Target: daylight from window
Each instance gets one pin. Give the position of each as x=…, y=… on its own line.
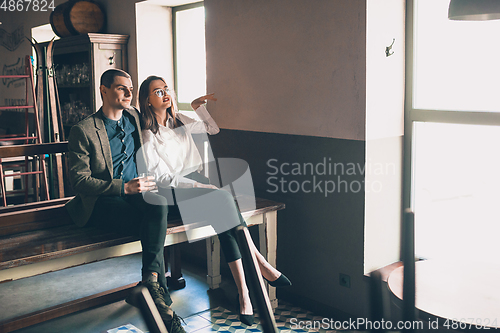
x=457, y=182
x=190, y=54
x=456, y=62
x=456, y=176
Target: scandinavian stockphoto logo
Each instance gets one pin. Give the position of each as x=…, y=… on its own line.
x=204, y=208
x=325, y=177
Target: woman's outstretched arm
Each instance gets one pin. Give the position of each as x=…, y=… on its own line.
x=207, y=124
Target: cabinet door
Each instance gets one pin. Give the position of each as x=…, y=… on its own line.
x=75, y=85
x=105, y=56
x=80, y=61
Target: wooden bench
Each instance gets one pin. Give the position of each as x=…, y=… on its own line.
x=40, y=237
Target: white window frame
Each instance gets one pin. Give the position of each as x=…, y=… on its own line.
x=182, y=106
x=413, y=115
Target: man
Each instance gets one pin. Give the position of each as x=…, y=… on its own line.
x=103, y=173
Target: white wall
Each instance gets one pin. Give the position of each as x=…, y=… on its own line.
x=153, y=33
x=288, y=66
x=121, y=19
x=385, y=76
x=384, y=131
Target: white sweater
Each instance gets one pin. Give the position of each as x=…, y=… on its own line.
x=171, y=153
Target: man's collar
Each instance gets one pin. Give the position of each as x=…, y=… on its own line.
x=111, y=122
x=132, y=113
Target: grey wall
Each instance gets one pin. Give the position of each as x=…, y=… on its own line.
x=288, y=66
x=290, y=81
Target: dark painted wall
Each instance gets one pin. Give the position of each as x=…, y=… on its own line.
x=319, y=235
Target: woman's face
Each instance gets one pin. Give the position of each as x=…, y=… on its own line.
x=159, y=95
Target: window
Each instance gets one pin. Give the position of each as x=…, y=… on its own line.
x=453, y=131
x=189, y=53
x=455, y=61
x=456, y=190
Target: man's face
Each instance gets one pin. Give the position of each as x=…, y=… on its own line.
x=119, y=95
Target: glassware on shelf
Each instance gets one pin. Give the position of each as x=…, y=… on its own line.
x=67, y=73
x=85, y=73
x=73, y=75
x=75, y=111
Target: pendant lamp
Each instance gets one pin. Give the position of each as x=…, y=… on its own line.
x=474, y=10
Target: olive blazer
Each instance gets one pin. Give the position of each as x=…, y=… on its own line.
x=91, y=165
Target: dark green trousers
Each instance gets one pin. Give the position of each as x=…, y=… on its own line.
x=145, y=219
x=214, y=207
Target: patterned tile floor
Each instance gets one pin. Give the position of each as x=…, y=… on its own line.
x=220, y=319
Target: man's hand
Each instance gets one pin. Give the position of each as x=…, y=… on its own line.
x=139, y=185
x=202, y=100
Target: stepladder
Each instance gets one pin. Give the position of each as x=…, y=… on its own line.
x=24, y=166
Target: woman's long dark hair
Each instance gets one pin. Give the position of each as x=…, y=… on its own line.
x=148, y=119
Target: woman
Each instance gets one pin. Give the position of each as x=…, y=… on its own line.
x=174, y=160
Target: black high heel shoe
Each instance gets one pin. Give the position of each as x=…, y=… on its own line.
x=245, y=319
x=282, y=281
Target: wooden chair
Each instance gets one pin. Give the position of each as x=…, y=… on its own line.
x=378, y=308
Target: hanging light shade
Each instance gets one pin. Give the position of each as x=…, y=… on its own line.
x=474, y=10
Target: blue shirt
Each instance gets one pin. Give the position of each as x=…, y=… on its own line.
x=123, y=139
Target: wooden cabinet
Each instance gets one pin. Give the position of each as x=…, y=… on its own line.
x=79, y=62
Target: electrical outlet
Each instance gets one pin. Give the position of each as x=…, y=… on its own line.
x=345, y=280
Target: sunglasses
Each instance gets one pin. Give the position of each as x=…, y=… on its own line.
x=161, y=92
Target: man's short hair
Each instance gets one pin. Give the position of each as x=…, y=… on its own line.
x=108, y=77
